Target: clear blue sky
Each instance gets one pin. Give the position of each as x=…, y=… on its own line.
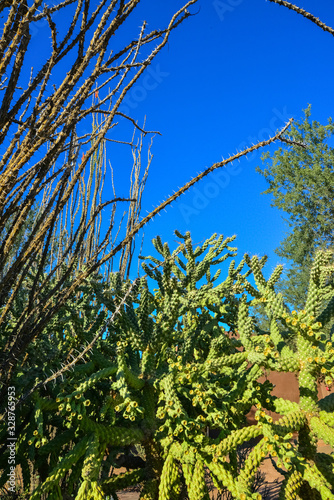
x=230, y=76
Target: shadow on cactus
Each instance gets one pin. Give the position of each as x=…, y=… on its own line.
x=180, y=359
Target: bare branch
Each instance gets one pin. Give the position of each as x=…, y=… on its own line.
x=196, y=179
x=136, y=125
x=42, y=152
x=293, y=143
x=306, y=14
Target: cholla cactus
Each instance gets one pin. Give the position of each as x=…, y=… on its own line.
x=179, y=359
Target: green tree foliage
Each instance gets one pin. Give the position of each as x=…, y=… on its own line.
x=177, y=359
x=301, y=182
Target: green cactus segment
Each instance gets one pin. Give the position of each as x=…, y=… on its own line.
x=197, y=487
x=90, y=490
x=223, y=361
x=245, y=325
x=327, y=418
x=312, y=302
x=251, y=465
x=148, y=362
x=308, y=391
x=121, y=384
x=234, y=439
x=325, y=464
x=277, y=307
x=275, y=334
x=61, y=469
x=149, y=402
x=116, y=436
x=284, y=406
x=327, y=403
x=304, y=346
x=188, y=469
x=327, y=314
x=144, y=320
x=94, y=455
x=93, y=379
x=288, y=363
x=176, y=481
x=322, y=430
x=274, y=278
x=173, y=409
x=169, y=482
x=130, y=378
x=223, y=477
x=289, y=423
x=256, y=265
x=122, y=481
x=291, y=485
x=316, y=480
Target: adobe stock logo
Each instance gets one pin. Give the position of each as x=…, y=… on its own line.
x=224, y=7
x=221, y=178
x=151, y=79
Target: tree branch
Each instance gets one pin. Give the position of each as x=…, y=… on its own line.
x=306, y=14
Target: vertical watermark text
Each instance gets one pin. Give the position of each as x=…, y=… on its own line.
x=11, y=440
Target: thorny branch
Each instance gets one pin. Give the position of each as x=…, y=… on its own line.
x=68, y=222
x=306, y=14
x=43, y=129
x=292, y=142
x=66, y=293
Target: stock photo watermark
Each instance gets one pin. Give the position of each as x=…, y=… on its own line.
x=11, y=440
x=150, y=81
x=223, y=8
x=221, y=178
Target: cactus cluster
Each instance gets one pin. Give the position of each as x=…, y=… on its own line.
x=180, y=359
